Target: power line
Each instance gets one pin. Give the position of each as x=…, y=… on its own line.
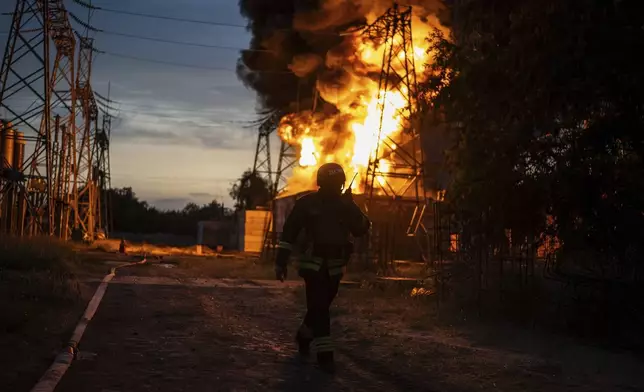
x=198, y=21
x=173, y=18
x=163, y=17
x=179, y=111
x=133, y=120
x=155, y=111
x=195, y=66
x=180, y=42
x=161, y=107
x=165, y=178
x=136, y=36
x=126, y=56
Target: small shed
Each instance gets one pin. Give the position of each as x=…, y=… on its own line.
x=252, y=226
x=216, y=233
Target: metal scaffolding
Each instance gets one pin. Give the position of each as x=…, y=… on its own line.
x=285, y=162
x=104, y=178
x=86, y=181
x=48, y=182
x=28, y=73
x=262, y=165
x=395, y=190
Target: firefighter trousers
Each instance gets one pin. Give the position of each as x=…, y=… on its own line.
x=321, y=290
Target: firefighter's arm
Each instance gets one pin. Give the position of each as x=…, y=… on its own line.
x=292, y=227
x=359, y=223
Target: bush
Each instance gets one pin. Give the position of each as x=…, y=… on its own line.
x=44, y=254
x=39, y=268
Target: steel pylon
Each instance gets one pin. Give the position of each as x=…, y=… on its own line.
x=85, y=184
x=103, y=175
x=39, y=97
x=394, y=176
x=262, y=164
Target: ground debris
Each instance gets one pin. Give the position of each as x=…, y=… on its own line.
x=164, y=334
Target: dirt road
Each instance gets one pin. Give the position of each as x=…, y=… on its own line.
x=167, y=337
x=164, y=334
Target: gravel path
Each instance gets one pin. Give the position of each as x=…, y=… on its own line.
x=155, y=337
x=170, y=334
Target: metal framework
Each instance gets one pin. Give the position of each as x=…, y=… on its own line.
x=397, y=188
x=86, y=179
x=286, y=160
x=288, y=155
x=262, y=165
x=103, y=175
x=28, y=74
x=53, y=172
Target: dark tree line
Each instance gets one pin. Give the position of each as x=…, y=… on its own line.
x=136, y=216
x=544, y=101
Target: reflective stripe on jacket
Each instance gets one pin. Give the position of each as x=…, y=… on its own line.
x=334, y=266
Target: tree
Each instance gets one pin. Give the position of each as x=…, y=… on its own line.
x=546, y=102
x=250, y=191
x=135, y=216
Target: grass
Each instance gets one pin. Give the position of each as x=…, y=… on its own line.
x=112, y=246
x=208, y=267
x=43, y=267
x=41, y=299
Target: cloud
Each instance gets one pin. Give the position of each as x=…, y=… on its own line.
x=197, y=195
x=199, y=131
x=182, y=125
x=170, y=203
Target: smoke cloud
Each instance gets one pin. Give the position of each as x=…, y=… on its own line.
x=319, y=76
x=296, y=48
x=304, y=64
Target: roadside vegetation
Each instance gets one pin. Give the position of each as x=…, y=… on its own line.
x=42, y=296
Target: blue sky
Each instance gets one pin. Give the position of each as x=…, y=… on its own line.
x=181, y=133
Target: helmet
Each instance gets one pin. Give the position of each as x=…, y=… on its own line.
x=331, y=175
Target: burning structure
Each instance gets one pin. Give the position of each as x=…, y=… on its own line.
x=355, y=66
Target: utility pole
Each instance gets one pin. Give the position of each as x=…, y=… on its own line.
x=288, y=155
x=86, y=181
x=28, y=74
x=102, y=169
x=262, y=165
x=394, y=177
x=286, y=160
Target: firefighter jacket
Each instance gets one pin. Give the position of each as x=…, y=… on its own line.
x=327, y=221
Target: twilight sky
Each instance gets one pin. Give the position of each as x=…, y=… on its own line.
x=180, y=135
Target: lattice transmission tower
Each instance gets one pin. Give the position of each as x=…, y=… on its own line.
x=262, y=164
x=103, y=171
x=395, y=191
x=39, y=97
x=286, y=160
x=86, y=183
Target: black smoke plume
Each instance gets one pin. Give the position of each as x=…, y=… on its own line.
x=291, y=42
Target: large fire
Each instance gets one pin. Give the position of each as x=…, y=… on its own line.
x=353, y=135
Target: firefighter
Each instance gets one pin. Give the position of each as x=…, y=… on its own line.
x=328, y=218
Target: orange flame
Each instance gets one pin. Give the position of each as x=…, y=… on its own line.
x=368, y=119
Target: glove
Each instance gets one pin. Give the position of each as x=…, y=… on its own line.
x=280, y=272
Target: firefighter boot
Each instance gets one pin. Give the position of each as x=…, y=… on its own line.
x=326, y=362
x=303, y=338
